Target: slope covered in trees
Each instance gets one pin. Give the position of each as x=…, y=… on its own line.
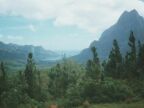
x=69, y=85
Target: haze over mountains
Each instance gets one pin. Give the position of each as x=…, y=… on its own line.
x=128, y=21
x=17, y=52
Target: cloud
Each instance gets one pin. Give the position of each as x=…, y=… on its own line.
x=14, y=38
x=90, y=15
x=29, y=27
x=32, y=28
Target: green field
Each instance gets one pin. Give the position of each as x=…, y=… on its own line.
x=120, y=105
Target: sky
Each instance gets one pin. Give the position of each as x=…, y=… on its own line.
x=60, y=24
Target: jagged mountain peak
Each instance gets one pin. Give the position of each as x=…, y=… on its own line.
x=128, y=21
x=132, y=12
x=128, y=16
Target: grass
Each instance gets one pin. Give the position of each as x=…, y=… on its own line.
x=120, y=105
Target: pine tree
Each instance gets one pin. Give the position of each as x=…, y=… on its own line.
x=3, y=80
x=114, y=64
x=93, y=66
x=132, y=45
x=131, y=59
x=95, y=55
x=140, y=60
x=30, y=77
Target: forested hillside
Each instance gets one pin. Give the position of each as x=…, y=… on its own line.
x=118, y=79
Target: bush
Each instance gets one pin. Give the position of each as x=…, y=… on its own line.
x=74, y=95
x=115, y=90
x=13, y=98
x=106, y=91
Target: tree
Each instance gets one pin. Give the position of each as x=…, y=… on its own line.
x=3, y=80
x=93, y=67
x=140, y=60
x=131, y=59
x=54, y=84
x=132, y=45
x=3, y=72
x=62, y=77
x=114, y=64
x=30, y=76
x=95, y=56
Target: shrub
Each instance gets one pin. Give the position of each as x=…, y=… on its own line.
x=106, y=91
x=13, y=98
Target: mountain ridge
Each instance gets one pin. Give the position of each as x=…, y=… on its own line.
x=19, y=52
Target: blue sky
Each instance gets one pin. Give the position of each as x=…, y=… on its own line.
x=60, y=24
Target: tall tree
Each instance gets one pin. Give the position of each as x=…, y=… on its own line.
x=131, y=58
x=132, y=45
x=3, y=80
x=30, y=75
x=93, y=66
x=140, y=60
x=114, y=64
x=95, y=56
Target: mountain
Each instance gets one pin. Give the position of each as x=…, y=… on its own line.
x=128, y=21
x=18, y=52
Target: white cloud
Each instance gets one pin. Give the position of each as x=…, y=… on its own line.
x=29, y=27
x=14, y=38
x=32, y=28
x=91, y=15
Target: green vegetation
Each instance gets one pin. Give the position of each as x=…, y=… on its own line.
x=118, y=80
x=120, y=105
